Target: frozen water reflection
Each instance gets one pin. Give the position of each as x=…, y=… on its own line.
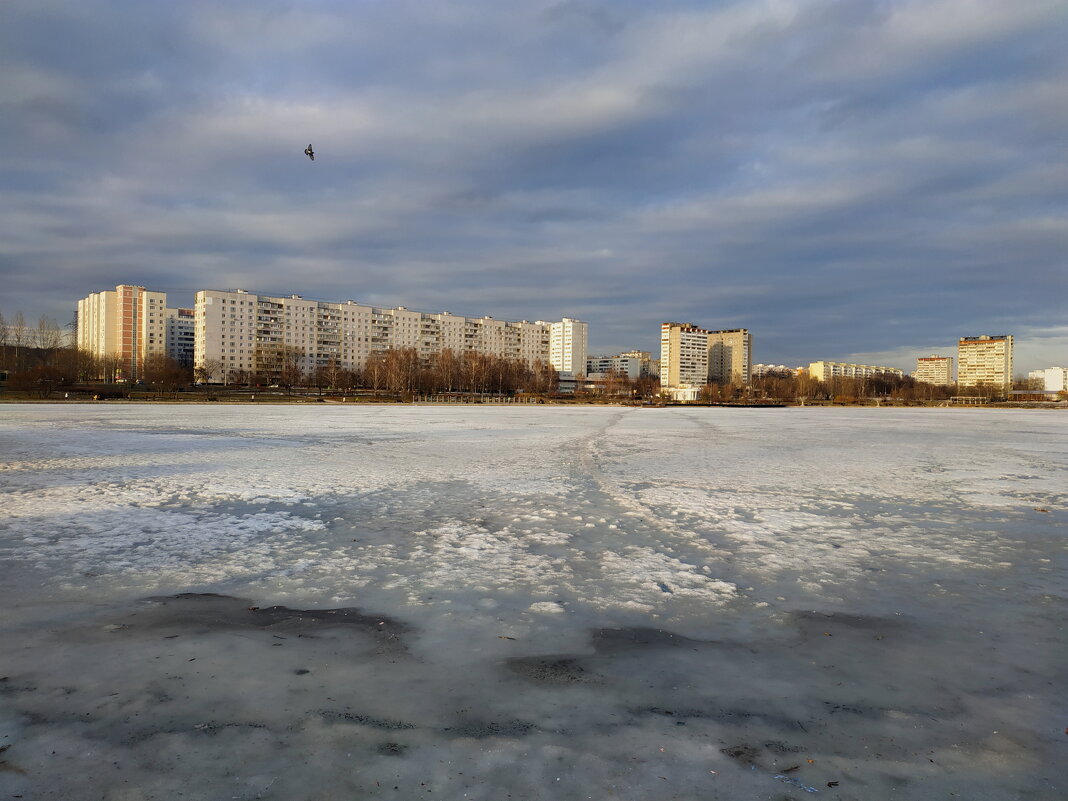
x=549, y=603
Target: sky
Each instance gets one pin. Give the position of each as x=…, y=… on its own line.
x=858, y=181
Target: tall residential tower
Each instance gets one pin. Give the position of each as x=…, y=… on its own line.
x=691, y=357
x=985, y=361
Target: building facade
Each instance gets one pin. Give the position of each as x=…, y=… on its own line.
x=934, y=370
x=692, y=357
x=650, y=367
x=238, y=331
x=181, y=335
x=568, y=346
x=623, y=364
x=825, y=371
x=730, y=356
x=985, y=361
x=130, y=324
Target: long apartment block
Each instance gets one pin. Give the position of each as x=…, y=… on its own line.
x=239, y=330
x=825, y=371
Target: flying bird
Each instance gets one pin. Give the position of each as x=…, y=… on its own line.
x=309, y=152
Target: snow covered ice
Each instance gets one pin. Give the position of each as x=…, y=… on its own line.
x=538, y=603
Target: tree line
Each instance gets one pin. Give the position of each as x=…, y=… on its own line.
x=400, y=371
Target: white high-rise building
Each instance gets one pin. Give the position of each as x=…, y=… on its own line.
x=568, y=345
x=240, y=331
x=985, y=361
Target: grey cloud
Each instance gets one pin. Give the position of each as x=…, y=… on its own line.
x=865, y=173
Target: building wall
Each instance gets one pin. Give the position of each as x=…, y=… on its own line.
x=985, y=360
x=730, y=354
x=180, y=336
x=98, y=330
x=240, y=329
x=568, y=347
x=934, y=370
x=683, y=355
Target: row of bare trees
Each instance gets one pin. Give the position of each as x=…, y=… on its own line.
x=23, y=345
x=400, y=371
x=788, y=386
x=44, y=371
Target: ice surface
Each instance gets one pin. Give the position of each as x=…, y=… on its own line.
x=550, y=603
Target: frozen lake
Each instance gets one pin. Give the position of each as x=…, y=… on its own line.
x=532, y=603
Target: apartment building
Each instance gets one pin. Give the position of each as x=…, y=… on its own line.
x=623, y=364
x=650, y=367
x=985, y=361
x=692, y=356
x=730, y=356
x=934, y=370
x=568, y=346
x=180, y=335
x=1050, y=379
x=242, y=331
x=825, y=371
x=131, y=323
x=762, y=370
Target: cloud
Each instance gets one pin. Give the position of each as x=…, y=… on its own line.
x=840, y=177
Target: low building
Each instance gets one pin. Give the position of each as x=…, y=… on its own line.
x=934, y=370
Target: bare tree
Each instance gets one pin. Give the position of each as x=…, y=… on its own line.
x=374, y=372
x=19, y=334
x=402, y=368
x=333, y=373
x=108, y=367
x=290, y=373
x=3, y=340
x=48, y=334
x=76, y=366
x=164, y=373
x=544, y=378
x=208, y=370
